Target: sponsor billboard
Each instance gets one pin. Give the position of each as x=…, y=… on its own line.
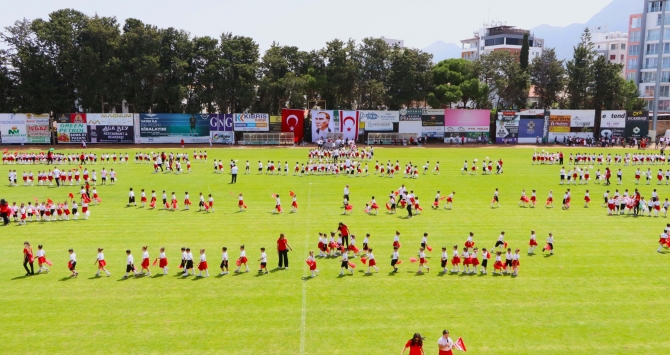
x=379, y=116
x=323, y=122
x=530, y=129
x=432, y=118
x=377, y=126
x=13, y=128
x=173, y=127
x=612, y=124
x=37, y=128
x=470, y=137
x=637, y=124
x=559, y=123
x=275, y=123
x=410, y=114
x=582, y=119
x=72, y=132
x=507, y=127
x=110, y=127
x=466, y=120
x=221, y=129
x=432, y=131
x=252, y=122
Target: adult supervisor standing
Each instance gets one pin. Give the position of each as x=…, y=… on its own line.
x=344, y=230
x=233, y=172
x=4, y=212
x=445, y=344
x=282, y=249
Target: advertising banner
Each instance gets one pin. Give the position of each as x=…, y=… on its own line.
x=252, y=122
x=613, y=124
x=432, y=131
x=379, y=116
x=410, y=127
x=507, y=127
x=77, y=118
x=378, y=126
x=323, y=122
x=432, y=118
x=470, y=137
x=559, y=123
x=349, y=124
x=530, y=129
x=221, y=129
x=173, y=127
x=637, y=124
x=62, y=118
x=466, y=120
x=72, y=132
x=110, y=127
x=37, y=128
x=109, y=119
x=410, y=114
x=13, y=128
x=275, y=124
x=583, y=118
x=293, y=121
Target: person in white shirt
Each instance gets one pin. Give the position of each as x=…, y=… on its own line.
x=344, y=265
x=264, y=262
x=532, y=243
x=311, y=261
x=145, y=261
x=495, y=198
x=550, y=243
x=242, y=260
x=395, y=259
x=515, y=262
x=203, y=264
x=224, y=261
x=445, y=344
x=72, y=264
x=233, y=172
x=189, y=263
x=100, y=260
x=130, y=264
x=422, y=260
x=277, y=205
x=162, y=260
x=131, y=198
x=372, y=263
x=41, y=259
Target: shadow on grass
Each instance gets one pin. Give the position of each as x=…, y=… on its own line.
x=20, y=277
x=198, y=278
x=66, y=278
x=548, y=255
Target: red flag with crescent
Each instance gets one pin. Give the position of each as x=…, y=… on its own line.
x=293, y=121
x=349, y=124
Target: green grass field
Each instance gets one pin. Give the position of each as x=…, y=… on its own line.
x=604, y=292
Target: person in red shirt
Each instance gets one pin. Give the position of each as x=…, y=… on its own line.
x=415, y=345
x=282, y=249
x=345, y=233
x=28, y=259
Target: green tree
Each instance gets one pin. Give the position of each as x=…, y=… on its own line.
x=579, y=72
x=456, y=80
x=523, y=56
x=547, y=75
x=630, y=95
x=6, y=85
x=341, y=73
x=99, y=82
x=410, y=78
x=203, y=73
x=175, y=56
x=236, y=84
x=507, y=82
x=374, y=67
x=139, y=54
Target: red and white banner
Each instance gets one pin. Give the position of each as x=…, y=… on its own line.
x=293, y=121
x=349, y=124
x=460, y=345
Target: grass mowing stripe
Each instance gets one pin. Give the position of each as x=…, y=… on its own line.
x=303, y=315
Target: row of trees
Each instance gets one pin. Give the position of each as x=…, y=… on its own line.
x=72, y=62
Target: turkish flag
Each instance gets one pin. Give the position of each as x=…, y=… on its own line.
x=293, y=121
x=460, y=345
x=349, y=124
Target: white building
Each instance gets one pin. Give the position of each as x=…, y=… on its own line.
x=611, y=45
x=394, y=42
x=500, y=37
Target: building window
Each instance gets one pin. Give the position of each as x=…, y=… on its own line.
x=634, y=36
x=613, y=57
x=664, y=91
x=665, y=77
x=650, y=63
x=623, y=46
x=632, y=64
x=652, y=48
x=667, y=19
x=654, y=6
x=653, y=35
x=649, y=91
x=494, y=42
x=613, y=47
x=634, y=49
x=649, y=77
x=631, y=76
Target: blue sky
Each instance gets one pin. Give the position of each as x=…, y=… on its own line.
x=308, y=24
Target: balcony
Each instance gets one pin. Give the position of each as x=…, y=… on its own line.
x=506, y=30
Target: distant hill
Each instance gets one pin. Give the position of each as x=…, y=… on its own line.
x=613, y=17
x=442, y=50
